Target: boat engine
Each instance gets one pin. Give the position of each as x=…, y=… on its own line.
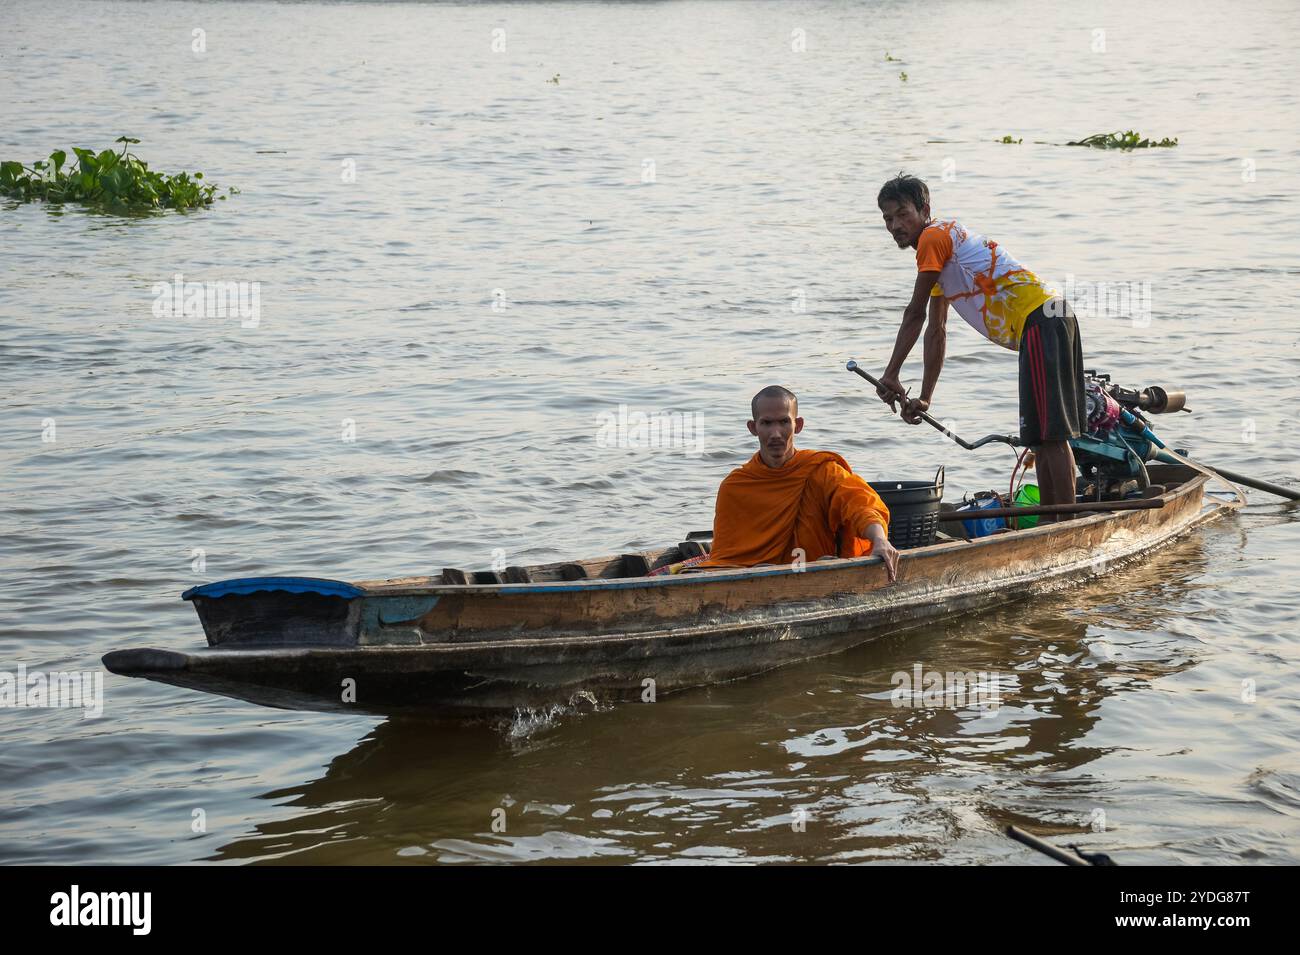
x=1113, y=453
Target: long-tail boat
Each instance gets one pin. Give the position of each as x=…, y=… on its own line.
x=610, y=628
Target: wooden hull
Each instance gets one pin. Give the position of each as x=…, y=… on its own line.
x=419, y=644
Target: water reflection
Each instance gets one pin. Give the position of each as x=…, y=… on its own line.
x=729, y=773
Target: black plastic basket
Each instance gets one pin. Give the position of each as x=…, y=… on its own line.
x=913, y=509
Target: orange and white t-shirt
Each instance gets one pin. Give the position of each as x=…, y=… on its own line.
x=989, y=288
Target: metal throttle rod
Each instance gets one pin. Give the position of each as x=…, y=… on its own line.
x=1012, y=440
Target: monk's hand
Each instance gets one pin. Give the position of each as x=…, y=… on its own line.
x=912, y=408
x=891, y=391
x=889, y=555
x=882, y=548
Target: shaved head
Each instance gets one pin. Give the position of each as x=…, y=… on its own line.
x=775, y=423
x=774, y=391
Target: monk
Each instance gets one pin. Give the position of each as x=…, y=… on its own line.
x=785, y=505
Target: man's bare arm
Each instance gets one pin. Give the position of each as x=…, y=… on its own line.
x=880, y=547
x=936, y=345
x=908, y=332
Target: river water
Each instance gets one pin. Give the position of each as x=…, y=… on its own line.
x=475, y=229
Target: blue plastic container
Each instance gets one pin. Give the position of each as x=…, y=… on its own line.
x=983, y=526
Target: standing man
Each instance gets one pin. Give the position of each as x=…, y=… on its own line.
x=1007, y=304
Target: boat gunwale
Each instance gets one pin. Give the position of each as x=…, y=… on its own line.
x=379, y=588
x=197, y=657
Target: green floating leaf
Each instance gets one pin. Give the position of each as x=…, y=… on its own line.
x=1128, y=139
x=115, y=182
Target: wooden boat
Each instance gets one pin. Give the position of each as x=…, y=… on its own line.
x=467, y=643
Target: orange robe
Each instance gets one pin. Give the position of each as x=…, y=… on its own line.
x=814, y=501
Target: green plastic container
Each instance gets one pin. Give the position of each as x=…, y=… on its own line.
x=1027, y=496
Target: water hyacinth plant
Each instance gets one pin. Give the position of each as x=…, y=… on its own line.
x=117, y=182
x=1125, y=140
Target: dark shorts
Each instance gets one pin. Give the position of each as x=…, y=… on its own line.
x=1051, y=376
